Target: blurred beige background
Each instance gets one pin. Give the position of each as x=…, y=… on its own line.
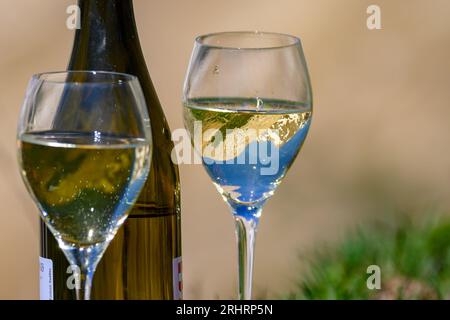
x=379, y=139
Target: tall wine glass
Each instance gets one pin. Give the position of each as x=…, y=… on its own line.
x=248, y=107
x=85, y=145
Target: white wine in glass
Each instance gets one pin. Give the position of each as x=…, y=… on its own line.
x=248, y=107
x=84, y=174
x=77, y=183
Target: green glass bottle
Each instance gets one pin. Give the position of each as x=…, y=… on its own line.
x=144, y=259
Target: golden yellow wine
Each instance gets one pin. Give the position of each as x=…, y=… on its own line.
x=246, y=145
x=84, y=189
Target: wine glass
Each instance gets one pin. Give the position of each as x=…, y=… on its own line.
x=247, y=106
x=85, y=146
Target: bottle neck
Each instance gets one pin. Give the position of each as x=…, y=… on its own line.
x=107, y=38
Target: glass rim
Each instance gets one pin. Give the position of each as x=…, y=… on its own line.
x=51, y=76
x=293, y=40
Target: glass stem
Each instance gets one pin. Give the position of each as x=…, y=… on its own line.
x=245, y=233
x=83, y=261
x=83, y=291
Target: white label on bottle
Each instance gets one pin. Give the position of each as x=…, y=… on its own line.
x=177, y=279
x=46, y=278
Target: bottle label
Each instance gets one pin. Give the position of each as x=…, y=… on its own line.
x=46, y=278
x=177, y=279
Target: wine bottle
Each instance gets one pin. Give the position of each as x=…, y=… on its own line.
x=143, y=261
